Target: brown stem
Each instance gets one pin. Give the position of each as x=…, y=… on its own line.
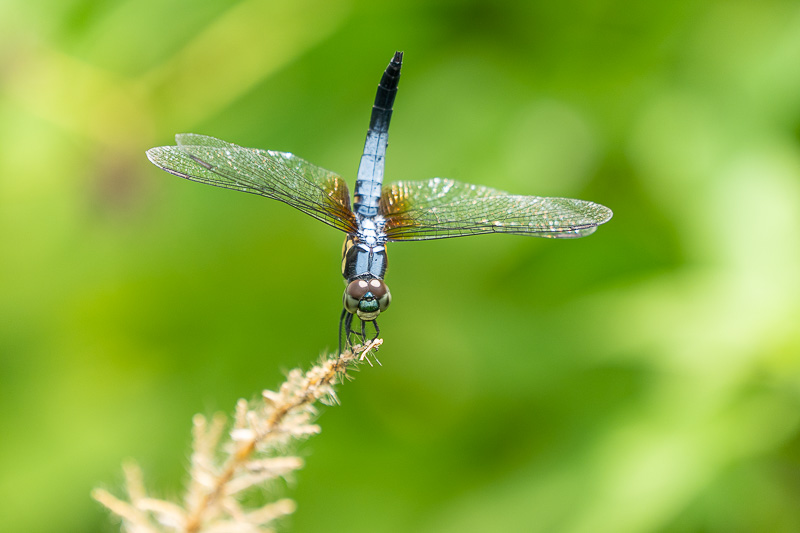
x=333, y=367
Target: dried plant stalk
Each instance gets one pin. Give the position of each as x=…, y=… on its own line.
x=223, y=469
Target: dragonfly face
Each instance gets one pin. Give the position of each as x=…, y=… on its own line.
x=367, y=298
x=437, y=208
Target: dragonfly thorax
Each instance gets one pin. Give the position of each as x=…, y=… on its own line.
x=360, y=261
x=364, y=253
x=363, y=267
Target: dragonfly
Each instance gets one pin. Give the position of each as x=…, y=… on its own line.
x=436, y=208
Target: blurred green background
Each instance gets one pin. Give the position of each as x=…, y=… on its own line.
x=644, y=379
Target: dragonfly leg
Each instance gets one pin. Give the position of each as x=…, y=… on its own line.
x=348, y=329
x=341, y=326
x=377, y=329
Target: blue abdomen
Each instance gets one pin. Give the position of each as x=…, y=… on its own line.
x=370, y=171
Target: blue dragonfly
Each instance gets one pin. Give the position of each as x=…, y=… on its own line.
x=436, y=208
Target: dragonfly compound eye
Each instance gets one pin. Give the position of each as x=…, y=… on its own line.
x=353, y=294
x=366, y=298
x=381, y=293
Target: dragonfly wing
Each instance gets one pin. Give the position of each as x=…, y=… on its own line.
x=440, y=208
x=277, y=175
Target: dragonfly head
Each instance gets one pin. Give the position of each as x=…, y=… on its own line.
x=367, y=298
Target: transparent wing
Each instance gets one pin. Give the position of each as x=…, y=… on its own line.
x=441, y=208
x=277, y=175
